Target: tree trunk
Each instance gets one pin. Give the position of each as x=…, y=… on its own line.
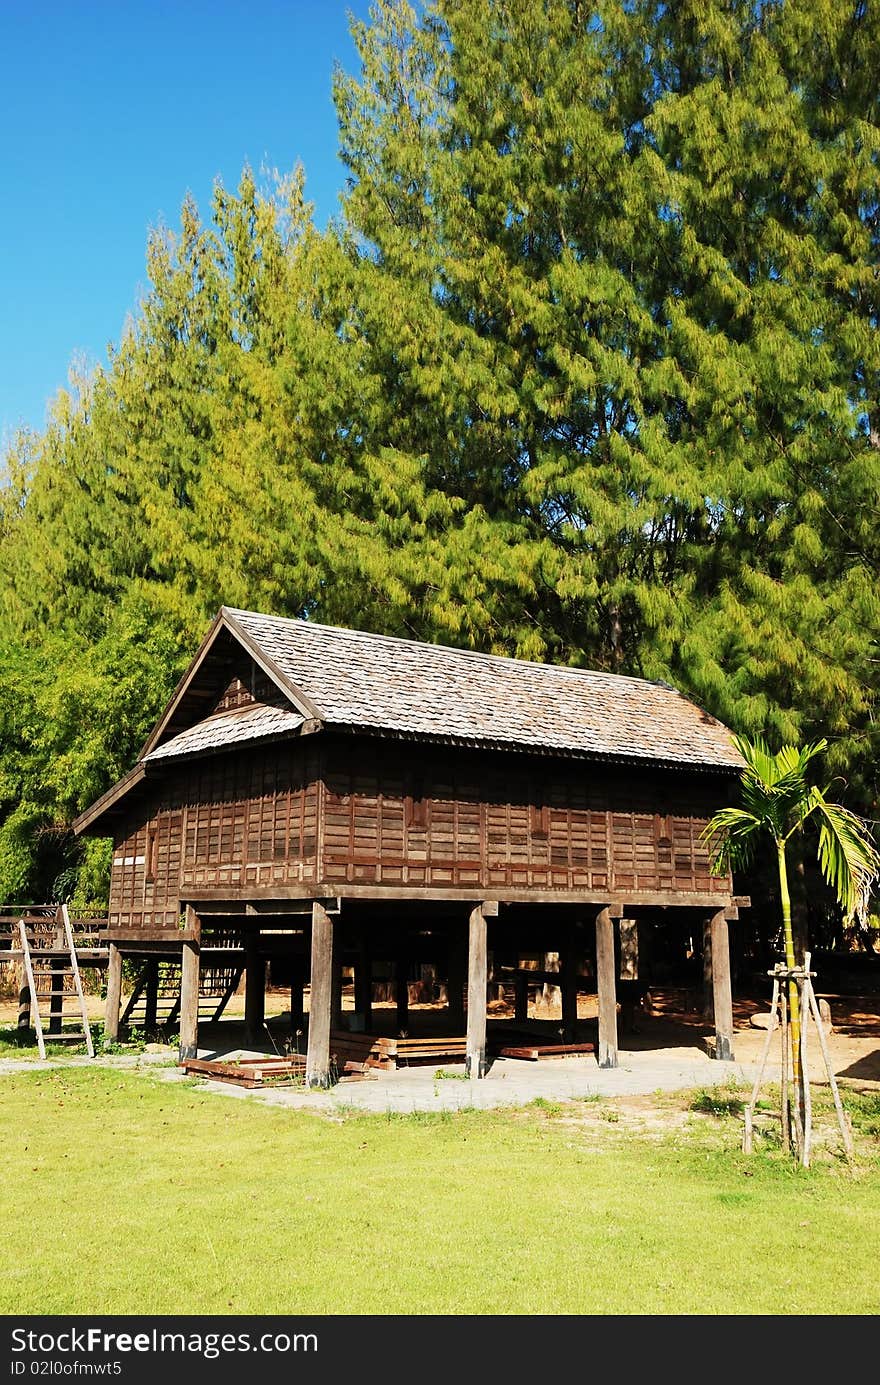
x=551, y=995
x=794, y=1006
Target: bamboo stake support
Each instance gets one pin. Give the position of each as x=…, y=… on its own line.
x=806, y=1133
x=765, y=1051
x=846, y=1133
x=799, y=1113
x=786, y=1113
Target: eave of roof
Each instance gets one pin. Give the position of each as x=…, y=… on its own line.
x=517, y=705
x=255, y=723
x=109, y=799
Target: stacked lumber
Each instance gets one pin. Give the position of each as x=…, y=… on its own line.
x=361, y=1054
x=431, y=1050
x=249, y=1072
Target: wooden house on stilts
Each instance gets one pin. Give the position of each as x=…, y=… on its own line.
x=329, y=797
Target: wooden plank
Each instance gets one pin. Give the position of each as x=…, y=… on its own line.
x=248, y=1074
x=607, y=991
x=534, y=1052
x=164, y=941
x=114, y=994
x=721, y=987
x=189, y=1002
x=255, y=989
x=475, y=1060
x=363, y=1050
x=619, y=901
x=321, y=999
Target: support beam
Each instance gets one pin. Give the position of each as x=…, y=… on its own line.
x=336, y=991
x=708, y=997
x=401, y=988
x=254, y=989
x=114, y=994
x=189, y=1001
x=569, y=978
x=455, y=986
x=521, y=994
x=320, y=998
x=607, y=989
x=475, y=1060
x=722, y=994
x=297, y=984
x=363, y=985
x=151, y=1000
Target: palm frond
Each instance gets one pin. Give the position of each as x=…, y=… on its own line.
x=774, y=786
x=731, y=837
x=848, y=855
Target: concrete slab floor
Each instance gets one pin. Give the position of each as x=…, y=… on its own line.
x=509, y=1082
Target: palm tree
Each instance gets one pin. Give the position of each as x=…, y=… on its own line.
x=778, y=802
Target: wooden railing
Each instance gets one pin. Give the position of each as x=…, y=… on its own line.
x=45, y=926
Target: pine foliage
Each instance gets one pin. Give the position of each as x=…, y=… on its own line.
x=587, y=370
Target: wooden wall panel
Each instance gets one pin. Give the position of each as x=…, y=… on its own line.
x=341, y=810
x=229, y=821
x=411, y=815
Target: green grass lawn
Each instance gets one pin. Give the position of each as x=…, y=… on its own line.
x=124, y=1193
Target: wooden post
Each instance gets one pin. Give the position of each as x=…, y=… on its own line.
x=708, y=996
x=114, y=994
x=722, y=996
x=569, y=992
x=336, y=990
x=521, y=995
x=56, y=996
x=475, y=1060
x=320, y=1001
x=455, y=987
x=607, y=990
x=646, y=947
x=401, y=988
x=151, y=1001
x=254, y=990
x=189, y=1002
x=297, y=982
x=363, y=985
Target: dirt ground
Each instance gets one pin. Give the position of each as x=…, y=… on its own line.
x=854, y=1040
x=675, y=1020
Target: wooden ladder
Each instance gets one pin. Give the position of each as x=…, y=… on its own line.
x=53, y=978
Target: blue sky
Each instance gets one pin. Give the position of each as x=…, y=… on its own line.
x=110, y=111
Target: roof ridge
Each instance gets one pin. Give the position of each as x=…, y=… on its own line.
x=467, y=653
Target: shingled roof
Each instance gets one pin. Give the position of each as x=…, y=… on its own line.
x=356, y=681
x=229, y=728
x=323, y=677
